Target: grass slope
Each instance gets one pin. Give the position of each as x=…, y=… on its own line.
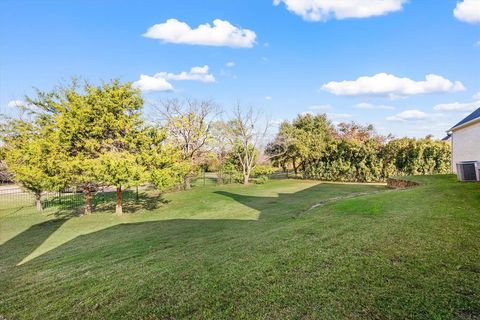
x=244, y=252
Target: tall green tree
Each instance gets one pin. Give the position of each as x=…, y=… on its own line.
x=92, y=122
x=32, y=153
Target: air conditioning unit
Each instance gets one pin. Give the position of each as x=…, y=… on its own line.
x=468, y=170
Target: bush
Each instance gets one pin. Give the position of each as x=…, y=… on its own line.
x=261, y=180
x=263, y=170
x=370, y=161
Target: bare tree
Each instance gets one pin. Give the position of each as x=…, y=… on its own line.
x=245, y=133
x=221, y=148
x=189, y=123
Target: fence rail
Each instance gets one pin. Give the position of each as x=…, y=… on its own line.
x=13, y=197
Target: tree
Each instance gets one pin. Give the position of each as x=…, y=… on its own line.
x=221, y=148
x=162, y=160
x=302, y=142
x=282, y=150
x=6, y=175
x=90, y=121
x=359, y=132
x=189, y=124
x=32, y=153
x=245, y=133
x=122, y=170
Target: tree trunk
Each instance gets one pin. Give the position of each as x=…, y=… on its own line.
x=38, y=201
x=246, y=178
x=294, y=167
x=186, y=182
x=118, y=207
x=88, y=200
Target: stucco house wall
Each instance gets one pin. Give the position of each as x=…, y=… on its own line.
x=465, y=143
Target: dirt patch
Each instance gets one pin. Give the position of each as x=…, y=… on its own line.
x=395, y=183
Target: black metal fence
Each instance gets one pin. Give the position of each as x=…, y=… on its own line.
x=14, y=197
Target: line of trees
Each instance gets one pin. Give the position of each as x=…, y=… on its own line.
x=87, y=136
x=316, y=149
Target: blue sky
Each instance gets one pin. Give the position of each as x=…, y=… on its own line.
x=361, y=60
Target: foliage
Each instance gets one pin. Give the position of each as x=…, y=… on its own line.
x=261, y=180
x=91, y=135
x=32, y=152
x=353, y=152
x=189, y=125
x=5, y=174
x=263, y=170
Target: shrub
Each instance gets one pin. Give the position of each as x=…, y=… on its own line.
x=261, y=180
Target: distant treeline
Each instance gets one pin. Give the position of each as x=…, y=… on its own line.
x=314, y=148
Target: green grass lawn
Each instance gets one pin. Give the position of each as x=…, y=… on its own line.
x=252, y=252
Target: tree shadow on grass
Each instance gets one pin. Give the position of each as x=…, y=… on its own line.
x=16, y=249
x=106, y=201
x=132, y=202
x=269, y=208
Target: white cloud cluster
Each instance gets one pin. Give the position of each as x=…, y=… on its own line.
x=230, y=64
x=322, y=10
x=221, y=33
x=384, y=84
x=149, y=83
x=160, y=81
x=457, y=106
x=409, y=115
x=195, y=74
x=477, y=95
x=468, y=11
x=369, y=106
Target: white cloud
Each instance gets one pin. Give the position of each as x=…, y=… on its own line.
x=457, y=106
x=221, y=33
x=408, y=115
x=383, y=84
x=322, y=10
x=468, y=11
x=160, y=81
x=230, y=64
x=369, y=106
x=195, y=74
x=148, y=83
x=477, y=95
x=321, y=107
x=268, y=98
